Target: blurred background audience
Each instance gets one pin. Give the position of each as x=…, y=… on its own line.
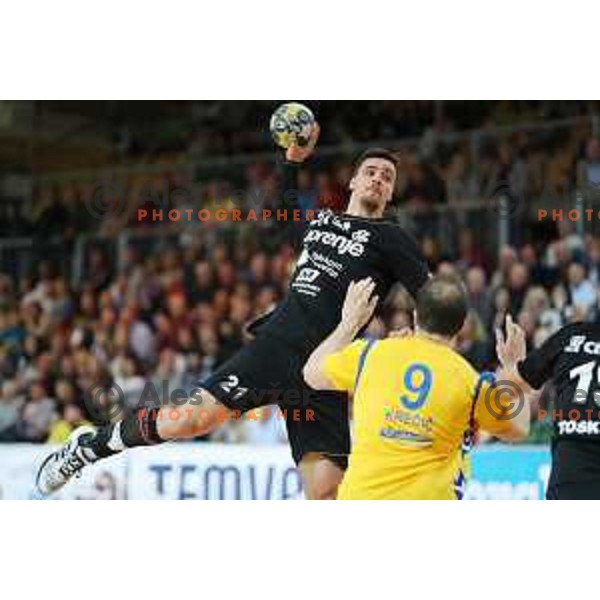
x=90, y=294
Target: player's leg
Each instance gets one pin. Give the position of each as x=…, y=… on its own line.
x=320, y=441
x=140, y=427
x=199, y=415
x=320, y=476
x=229, y=388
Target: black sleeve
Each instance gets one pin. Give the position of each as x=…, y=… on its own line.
x=252, y=327
x=288, y=195
x=538, y=365
x=289, y=184
x=405, y=259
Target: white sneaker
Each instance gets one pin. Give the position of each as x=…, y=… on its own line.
x=60, y=466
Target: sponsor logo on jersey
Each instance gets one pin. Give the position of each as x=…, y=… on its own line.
x=353, y=245
x=339, y=242
x=303, y=258
x=404, y=418
x=320, y=262
x=579, y=427
x=327, y=217
x=362, y=235
x=406, y=426
x=579, y=343
x=405, y=436
x=307, y=275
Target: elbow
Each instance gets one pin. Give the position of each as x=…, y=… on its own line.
x=314, y=377
x=518, y=432
x=522, y=421
x=310, y=376
x=521, y=432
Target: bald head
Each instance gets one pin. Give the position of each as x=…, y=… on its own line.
x=442, y=305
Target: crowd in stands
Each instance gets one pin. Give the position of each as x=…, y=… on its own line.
x=172, y=312
x=174, y=315
x=440, y=167
x=213, y=129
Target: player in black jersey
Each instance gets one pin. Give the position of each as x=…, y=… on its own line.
x=337, y=249
x=571, y=360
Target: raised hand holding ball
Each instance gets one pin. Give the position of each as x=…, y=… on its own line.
x=294, y=128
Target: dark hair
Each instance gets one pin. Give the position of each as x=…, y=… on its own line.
x=376, y=153
x=442, y=305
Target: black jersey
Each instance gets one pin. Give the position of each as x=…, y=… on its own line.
x=338, y=249
x=571, y=360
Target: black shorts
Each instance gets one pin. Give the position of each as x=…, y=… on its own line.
x=575, y=471
x=583, y=490
x=268, y=371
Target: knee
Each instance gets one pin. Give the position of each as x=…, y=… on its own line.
x=176, y=424
x=188, y=428
x=321, y=479
x=325, y=488
x=193, y=418
x=185, y=422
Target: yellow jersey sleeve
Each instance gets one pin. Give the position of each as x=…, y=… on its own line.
x=487, y=407
x=342, y=367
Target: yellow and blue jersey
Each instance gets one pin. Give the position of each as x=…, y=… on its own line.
x=415, y=410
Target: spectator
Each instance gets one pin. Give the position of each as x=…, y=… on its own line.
x=202, y=285
x=536, y=302
x=398, y=310
x=461, y=182
x=527, y=321
x=473, y=343
x=37, y=415
x=479, y=295
x=470, y=251
x=72, y=417
x=11, y=405
x=500, y=308
x=330, y=194
x=538, y=273
x=506, y=259
x=593, y=260
x=424, y=187
x=581, y=290
x=53, y=217
x=518, y=279
x=588, y=173
x=7, y=292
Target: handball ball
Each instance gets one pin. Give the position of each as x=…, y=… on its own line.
x=292, y=123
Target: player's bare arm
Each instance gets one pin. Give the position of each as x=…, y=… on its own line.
x=357, y=311
x=510, y=351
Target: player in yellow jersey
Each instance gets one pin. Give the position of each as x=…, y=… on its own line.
x=417, y=402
